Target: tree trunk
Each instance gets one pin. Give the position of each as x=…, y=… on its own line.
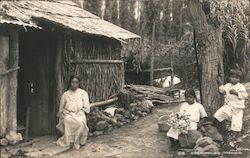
x=13, y=63
x=152, y=56
x=210, y=51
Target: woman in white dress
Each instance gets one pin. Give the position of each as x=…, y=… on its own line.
x=72, y=119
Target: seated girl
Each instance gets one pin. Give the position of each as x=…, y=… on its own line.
x=196, y=112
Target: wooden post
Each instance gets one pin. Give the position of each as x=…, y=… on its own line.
x=172, y=70
x=171, y=67
x=4, y=57
x=198, y=65
x=123, y=75
x=26, y=136
x=58, y=76
x=152, y=56
x=13, y=63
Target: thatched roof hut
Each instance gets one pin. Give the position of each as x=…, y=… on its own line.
x=43, y=43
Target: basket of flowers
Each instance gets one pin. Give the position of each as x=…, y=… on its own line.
x=179, y=122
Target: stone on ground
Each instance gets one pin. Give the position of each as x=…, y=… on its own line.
x=213, y=133
x=13, y=137
x=189, y=140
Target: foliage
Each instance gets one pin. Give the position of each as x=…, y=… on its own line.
x=231, y=16
x=94, y=6
x=171, y=17
x=132, y=62
x=111, y=13
x=127, y=15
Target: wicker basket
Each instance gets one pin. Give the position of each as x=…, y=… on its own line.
x=162, y=123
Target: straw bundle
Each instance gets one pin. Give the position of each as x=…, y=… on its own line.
x=100, y=80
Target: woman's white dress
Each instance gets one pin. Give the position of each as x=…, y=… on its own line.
x=72, y=118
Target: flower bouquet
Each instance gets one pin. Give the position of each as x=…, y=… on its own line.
x=179, y=122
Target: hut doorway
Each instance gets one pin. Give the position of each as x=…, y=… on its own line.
x=36, y=83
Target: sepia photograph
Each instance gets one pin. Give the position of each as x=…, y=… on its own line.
x=124, y=78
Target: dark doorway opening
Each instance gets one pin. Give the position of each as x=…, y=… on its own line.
x=36, y=84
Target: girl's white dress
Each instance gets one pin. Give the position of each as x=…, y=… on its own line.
x=232, y=109
x=72, y=118
x=196, y=111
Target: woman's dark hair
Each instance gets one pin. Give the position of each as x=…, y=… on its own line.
x=70, y=80
x=190, y=92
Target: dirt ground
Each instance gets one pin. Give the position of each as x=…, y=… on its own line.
x=139, y=139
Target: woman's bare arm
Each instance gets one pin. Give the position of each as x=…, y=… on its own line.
x=62, y=104
x=86, y=103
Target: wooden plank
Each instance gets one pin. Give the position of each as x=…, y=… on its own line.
x=170, y=101
x=93, y=61
x=43, y=142
x=148, y=70
x=53, y=150
x=35, y=154
x=25, y=144
x=4, y=58
x=106, y=102
x=29, y=149
x=153, y=94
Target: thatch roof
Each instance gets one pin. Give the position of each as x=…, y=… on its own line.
x=28, y=13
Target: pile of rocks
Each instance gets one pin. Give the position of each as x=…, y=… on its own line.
x=103, y=121
x=11, y=138
x=206, y=141
x=206, y=144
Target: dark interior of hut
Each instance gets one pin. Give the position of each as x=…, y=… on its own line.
x=35, y=108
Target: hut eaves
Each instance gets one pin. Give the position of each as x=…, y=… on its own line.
x=20, y=23
x=28, y=13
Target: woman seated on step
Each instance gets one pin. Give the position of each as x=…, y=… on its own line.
x=196, y=112
x=72, y=119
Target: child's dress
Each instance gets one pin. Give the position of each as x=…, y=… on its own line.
x=196, y=111
x=233, y=105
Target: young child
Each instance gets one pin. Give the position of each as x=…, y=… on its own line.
x=196, y=112
x=232, y=110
